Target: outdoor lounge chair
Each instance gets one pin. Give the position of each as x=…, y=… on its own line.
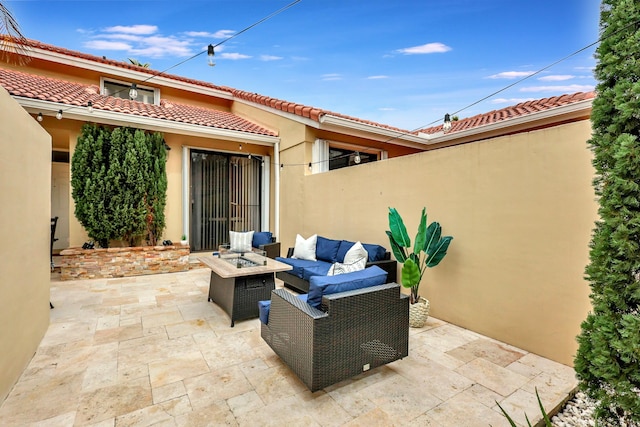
x=354, y=331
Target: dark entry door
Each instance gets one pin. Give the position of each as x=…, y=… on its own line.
x=225, y=195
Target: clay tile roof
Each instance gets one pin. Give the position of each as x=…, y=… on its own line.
x=316, y=114
x=71, y=93
x=513, y=111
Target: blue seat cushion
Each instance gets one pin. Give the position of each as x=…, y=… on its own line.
x=299, y=265
x=327, y=249
x=321, y=269
x=325, y=285
x=261, y=238
x=263, y=309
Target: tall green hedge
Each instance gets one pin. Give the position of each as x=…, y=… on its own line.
x=119, y=184
x=608, y=358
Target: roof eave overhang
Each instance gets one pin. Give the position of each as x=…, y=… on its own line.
x=139, y=76
x=342, y=125
x=517, y=124
x=329, y=122
x=158, y=125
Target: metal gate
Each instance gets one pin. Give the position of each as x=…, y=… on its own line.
x=225, y=195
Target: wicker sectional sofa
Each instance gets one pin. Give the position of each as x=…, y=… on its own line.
x=344, y=326
x=329, y=251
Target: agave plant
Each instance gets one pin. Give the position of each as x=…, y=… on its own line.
x=429, y=248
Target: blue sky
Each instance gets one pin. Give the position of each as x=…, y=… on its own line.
x=402, y=63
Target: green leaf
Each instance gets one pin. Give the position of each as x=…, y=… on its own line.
x=432, y=237
x=421, y=235
x=398, y=229
x=398, y=251
x=440, y=251
x=410, y=274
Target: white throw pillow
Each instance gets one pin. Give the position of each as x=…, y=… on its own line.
x=240, y=242
x=305, y=249
x=354, y=260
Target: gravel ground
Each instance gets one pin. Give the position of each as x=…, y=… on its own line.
x=578, y=412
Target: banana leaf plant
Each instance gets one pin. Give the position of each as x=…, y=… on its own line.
x=429, y=248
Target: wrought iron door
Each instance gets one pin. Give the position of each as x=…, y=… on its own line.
x=225, y=195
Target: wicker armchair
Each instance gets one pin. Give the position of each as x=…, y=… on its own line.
x=360, y=330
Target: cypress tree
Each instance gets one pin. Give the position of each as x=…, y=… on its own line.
x=608, y=359
x=119, y=184
x=156, y=193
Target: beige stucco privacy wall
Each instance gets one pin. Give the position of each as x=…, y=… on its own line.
x=521, y=209
x=25, y=200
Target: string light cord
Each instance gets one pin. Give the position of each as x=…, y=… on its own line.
x=600, y=39
x=255, y=24
x=266, y=18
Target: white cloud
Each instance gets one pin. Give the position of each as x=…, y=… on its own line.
x=510, y=100
x=331, y=77
x=220, y=34
x=511, y=74
x=566, y=89
x=425, y=49
x=557, y=78
x=107, y=45
x=133, y=29
x=234, y=56
x=127, y=37
x=270, y=58
x=377, y=77
x=386, y=109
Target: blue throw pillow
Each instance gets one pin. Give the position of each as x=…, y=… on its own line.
x=261, y=238
x=327, y=249
x=324, y=285
x=376, y=252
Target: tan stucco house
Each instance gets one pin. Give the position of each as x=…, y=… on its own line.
x=513, y=186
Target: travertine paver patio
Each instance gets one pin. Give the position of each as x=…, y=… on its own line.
x=152, y=351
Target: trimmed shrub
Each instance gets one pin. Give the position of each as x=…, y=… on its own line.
x=119, y=184
x=608, y=358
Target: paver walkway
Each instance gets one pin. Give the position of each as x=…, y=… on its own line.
x=152, y=351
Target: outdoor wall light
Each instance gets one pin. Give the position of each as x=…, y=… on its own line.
x=447, y=123
x=210, y=54
x=90, y=107
x=59, y=115
x=39, y=117
x=133, y=92
x=357, y=158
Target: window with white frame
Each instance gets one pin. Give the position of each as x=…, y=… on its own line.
x=330, y=155
x=121, y=89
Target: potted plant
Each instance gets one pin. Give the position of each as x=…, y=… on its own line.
x=183, y=240
x=429, y=249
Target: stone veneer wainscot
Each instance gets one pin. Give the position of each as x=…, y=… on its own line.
x=80, y=263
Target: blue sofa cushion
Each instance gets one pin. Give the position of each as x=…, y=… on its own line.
x=321, y=269
x=327, y=249
x=261, y=238
x=345, y=245
x=325, y=285
x=376, y=252
x=263, y=309
x=299, y=265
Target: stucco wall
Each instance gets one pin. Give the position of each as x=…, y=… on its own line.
x=521, y=209
x=25, y=215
